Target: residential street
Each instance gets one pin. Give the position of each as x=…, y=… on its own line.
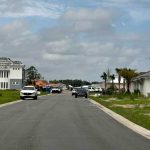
x=62, y=122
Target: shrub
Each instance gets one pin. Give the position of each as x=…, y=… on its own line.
x=137, y=92
x=120, y=96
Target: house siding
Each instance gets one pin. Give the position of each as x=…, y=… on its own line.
x=146, y=87
x=15, y=84
x=142, y=83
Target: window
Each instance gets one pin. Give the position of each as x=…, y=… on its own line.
x=1, y=74
x=6, y=85
x=15, y=83
x=3, y=85
x=15, y=68
x=4, y=74
x=7, y=74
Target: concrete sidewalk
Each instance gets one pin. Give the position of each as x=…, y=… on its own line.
x=136, y=128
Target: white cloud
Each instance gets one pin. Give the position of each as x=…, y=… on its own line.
x=27, y=8
x=84, y=42
x=140, y=14
x=90, y=19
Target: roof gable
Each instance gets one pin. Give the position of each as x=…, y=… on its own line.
x=142, y=76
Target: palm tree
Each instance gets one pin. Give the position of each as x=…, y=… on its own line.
x=119, y=76
x=104, y=77
x=112, y=77
x=108, y=72
x=128, y=74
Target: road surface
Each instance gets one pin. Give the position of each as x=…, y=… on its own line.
x=61, y=122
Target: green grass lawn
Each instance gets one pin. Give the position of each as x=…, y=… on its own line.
x=8, y=96
x=138, y=115
x=11, y=95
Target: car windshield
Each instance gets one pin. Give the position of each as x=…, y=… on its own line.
x=81, y=90
x=28, y=88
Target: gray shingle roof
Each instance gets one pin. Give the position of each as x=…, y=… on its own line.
x=4, y=61
x=142, y=76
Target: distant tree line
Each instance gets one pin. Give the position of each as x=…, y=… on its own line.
x=74, y=83
x=32, y=74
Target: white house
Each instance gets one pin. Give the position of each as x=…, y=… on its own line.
x=116, y=83
x=141, y=83
x=11, y=74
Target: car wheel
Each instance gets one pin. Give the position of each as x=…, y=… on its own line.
x=22, y=98
x=86, y=96
x=35, y=97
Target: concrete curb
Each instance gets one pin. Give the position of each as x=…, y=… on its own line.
x=10, y=103
x=136, y=128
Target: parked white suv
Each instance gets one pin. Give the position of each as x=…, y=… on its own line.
x=56, y=90
x=91, y=89
x=28, y=92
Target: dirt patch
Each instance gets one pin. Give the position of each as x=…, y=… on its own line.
x=124, y=106
x=131, y=106
x=146, y=114
x=111, y=99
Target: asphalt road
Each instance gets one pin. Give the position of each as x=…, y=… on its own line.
x=61, y=122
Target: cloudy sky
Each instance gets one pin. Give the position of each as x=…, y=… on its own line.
x=76, y=39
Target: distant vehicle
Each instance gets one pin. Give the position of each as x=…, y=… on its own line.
x=28, y=92
x=91, y=89
x=56, y=90
x=98, y=89
x=74, y=90
x=38, y=92
x=81, y=92
x=85, y=87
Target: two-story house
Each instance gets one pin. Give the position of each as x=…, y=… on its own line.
x=11, y=74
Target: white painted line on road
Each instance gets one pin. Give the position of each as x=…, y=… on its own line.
x=136, y=128
x=10, y=103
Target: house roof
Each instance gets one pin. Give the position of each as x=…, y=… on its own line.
x=142, y=76
x=41, y=83
x=4, y=61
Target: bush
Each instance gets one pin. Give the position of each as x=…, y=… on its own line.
x=120, y=96
x=109, y=91
x=137, y=92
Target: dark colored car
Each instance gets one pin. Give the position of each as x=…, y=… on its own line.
x=81, y=92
